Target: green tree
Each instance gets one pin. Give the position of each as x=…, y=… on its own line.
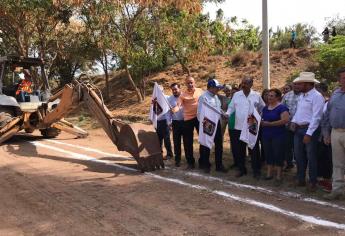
x=306, y=36
x=330, y=57
x=339, y=24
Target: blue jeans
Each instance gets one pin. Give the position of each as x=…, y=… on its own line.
x=305, y=155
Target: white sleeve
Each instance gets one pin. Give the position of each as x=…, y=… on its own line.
x=200, y=101
x=318, y=103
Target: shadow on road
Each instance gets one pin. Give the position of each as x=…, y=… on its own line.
x=21, y=145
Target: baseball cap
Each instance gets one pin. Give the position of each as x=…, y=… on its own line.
x=213, y=83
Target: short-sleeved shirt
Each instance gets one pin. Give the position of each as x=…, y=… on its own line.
x=189, y=102
x=270, y=116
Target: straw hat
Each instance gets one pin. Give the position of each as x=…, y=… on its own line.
x=306, y=77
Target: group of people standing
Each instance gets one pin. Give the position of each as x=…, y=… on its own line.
x=294, y=126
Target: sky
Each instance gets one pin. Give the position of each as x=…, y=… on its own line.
x=281, y=12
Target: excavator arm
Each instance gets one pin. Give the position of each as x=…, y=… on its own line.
x=137, y=139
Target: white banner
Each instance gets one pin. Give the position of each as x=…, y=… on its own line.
x=159, y=105
x=208, y=125
x=250, y=129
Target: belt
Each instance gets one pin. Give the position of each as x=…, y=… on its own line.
x=340, y=130
x=302, y=126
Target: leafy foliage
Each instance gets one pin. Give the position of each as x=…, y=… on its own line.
x=338, y=23
x=306, y=36
x=331, y=56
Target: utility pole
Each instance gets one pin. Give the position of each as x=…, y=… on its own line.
x=265, y=47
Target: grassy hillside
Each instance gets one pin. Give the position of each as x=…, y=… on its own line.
x=229, y=70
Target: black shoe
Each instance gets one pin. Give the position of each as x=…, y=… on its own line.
x=268, y=178
x=177, y=164
x=207, y=170
x=222, y=169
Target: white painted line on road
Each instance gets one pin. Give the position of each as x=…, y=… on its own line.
x=265, y=190
x=294, y=215
x=231, y=183
x=79, y=156
x=90, y=149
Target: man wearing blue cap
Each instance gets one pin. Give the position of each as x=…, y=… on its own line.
x=211, y=99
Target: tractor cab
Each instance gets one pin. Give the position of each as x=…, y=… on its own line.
x=23, y=79
x=23, y=74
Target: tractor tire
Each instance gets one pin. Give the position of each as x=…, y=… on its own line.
x=50, y=132
x=6, y=115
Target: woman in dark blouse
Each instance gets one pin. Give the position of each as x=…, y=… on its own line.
x=274, y=117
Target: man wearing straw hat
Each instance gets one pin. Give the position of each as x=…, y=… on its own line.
x=305, y=123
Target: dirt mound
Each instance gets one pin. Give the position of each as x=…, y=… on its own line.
x=229, y=70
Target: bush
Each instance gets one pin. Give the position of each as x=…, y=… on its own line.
x=241, y=58
x=330, y=57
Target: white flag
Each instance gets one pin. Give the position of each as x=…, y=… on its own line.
x=208, y=125
x=159, y=106
x=250, y=129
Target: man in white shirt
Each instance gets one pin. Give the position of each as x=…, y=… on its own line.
x=241, y=103
x=305, y=123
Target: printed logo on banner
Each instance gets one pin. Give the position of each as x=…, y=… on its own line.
x=252, y=125
x=208, y=126
x=157, y=109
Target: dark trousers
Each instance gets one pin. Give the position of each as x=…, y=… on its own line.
x=274, y=150
x=289, y=152
x=204, y=160
x=177, y=127
x=292, y=43
x=306, y=155
x=23, y=97
x=262, y=149
x=163, y=133
x=240, y=154
x=233, y=146
x=324, y=160
x=188, y=136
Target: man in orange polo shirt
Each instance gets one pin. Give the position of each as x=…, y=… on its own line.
x=189, y=101
x=24, y=87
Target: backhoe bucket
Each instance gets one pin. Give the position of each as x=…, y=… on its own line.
x=140, y=140
x=142, y=143
x=10, y=129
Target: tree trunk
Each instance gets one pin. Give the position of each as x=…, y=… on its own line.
x=181, y=61
x=131, y=81
x=107, y=89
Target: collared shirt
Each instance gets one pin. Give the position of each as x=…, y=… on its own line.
x=211, y=99
x=242, y=105
x=334, y=116
x=189, y=102
x=224, y=101
x=173, y=103
x=309, y=110
x=290, y=100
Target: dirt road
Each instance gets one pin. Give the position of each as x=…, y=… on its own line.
x=72, y=186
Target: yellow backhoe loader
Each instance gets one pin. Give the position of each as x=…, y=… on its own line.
x=38, y=109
